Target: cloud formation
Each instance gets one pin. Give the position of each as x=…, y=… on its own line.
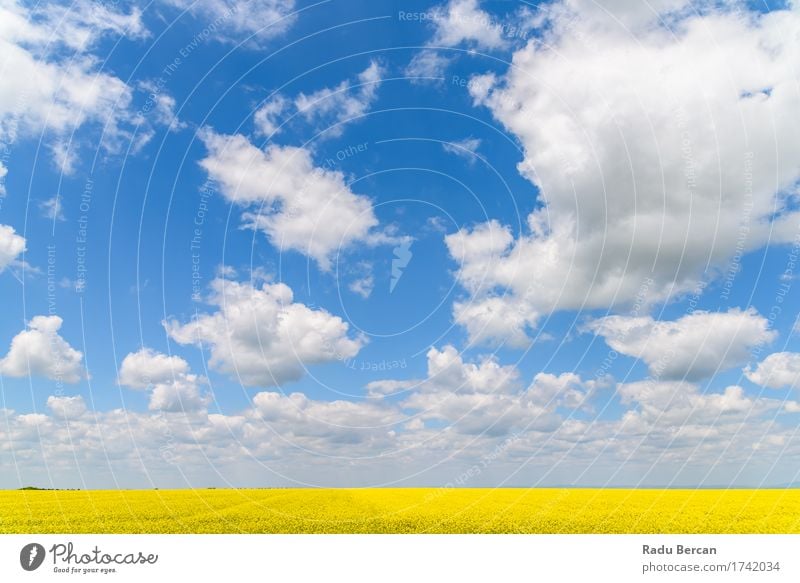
x=62, y=88
x=67, y=408
x=11, y=246
x=260, y=336
x=642, y=178
x=692, y=347
x=427, y=66
x=232, y=21
x=172, y=386
x=463, y=22
x=40, y=351
x=345, y=102
x=299, y=206
x=777, y=371
x=462, y=415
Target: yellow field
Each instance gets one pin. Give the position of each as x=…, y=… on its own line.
x=412, y=510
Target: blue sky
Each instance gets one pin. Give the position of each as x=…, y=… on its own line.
x=599, y=209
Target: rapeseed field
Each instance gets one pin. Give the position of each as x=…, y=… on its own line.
x=407, y=510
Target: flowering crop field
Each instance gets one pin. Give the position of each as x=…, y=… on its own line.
x=407, y=510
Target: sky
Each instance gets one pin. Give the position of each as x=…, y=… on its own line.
x=389, y=243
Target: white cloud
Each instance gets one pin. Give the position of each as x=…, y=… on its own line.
x=3, y=174
x=62, y=88
x=266, y=117
x=463, y=415
x=87, y=21
x=342, y=103
x=486, y=397
x=165, y=112
x=75, y=25
x=466, y=148
x=679, y=404
x=69, y=408
x=65, y=155
x=324, y=422
x=777, y=371
x=624, y=15
x=52, y=209
x=566, y=389
x=144, y=368
x=362, y=286
x=181, y=394
x=383, y=388
x=299, y=206
x=496, y=321
x=174, y=388
x=462, y=21
x=40, y=351
x=11, y=246
x=230, y=20
x=230, y=272
x=55, y=98
x=644, y=144
x=261, y=337
x=158, y=109
x=427, y=66
x=329, y=109
x=694, y=346
x=447, y=369
x=792, y=407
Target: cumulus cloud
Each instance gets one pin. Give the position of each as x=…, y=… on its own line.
x=625, y=15
x=62, y=88
x=487, y=397
x=462, y=415
x=300, y=206
x=173, y=387
x=146, y=367
x=297, y=416
x=678, y=405
x=181, y=394
x=777, y=371
x=387, y=387
x=496, y=321
x=40, y=351
x=11, y=246
x=564, y=390
x=262, y=337
x=69, y=408
x=697, y=345
x=643, y=178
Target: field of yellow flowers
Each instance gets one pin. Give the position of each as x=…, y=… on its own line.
x=407, y=510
